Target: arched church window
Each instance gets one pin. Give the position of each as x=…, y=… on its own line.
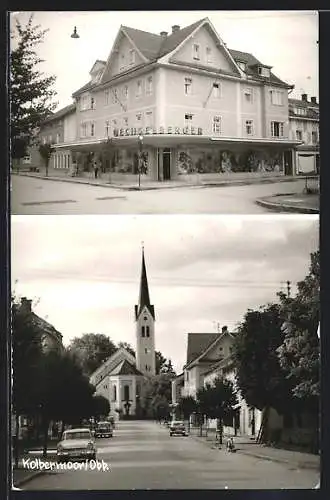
x=126, y=392
x=142, y=331
x=115, y=393
x=145, y=318
x=148, y=331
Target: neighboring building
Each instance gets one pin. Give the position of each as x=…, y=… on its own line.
x=304, y=127
x=51, y=339
x=192, y=105
x=209, y=357
x=121, y=378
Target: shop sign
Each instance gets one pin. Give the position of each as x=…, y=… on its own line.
x=122, y=132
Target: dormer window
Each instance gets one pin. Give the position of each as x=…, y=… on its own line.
x=262, y=71
x=300, y=111
x=196, y=52
x=241, y=65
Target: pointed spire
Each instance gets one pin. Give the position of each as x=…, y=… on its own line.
x=144, y=299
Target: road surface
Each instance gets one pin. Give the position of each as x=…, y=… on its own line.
x=142, y=455
x=32, y=195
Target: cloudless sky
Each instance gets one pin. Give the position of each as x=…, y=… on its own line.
x=202, y=270
x=285, y=40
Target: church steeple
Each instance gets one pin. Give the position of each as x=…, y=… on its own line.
x=144, y=298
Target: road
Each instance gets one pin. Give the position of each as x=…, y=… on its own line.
x=142, y=455
x=32, y=195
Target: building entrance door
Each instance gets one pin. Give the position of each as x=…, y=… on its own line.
x=288, y=163
x=166, y=164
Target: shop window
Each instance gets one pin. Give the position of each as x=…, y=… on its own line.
x=277, y=129
x=188, y=86
x=249, y=127
x=196, y=51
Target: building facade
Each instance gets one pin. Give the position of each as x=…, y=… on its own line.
x=304, y=127
x=175, y=104
x=122, y=377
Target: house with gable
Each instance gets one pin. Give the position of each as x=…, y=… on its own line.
x=185, y=103
x=122, y=378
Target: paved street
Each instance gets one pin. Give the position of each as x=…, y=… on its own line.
x=39, y=196
x=142, y=455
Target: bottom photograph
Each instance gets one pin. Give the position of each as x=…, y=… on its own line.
x=165, y=352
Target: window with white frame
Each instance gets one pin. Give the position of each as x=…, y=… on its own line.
x=149, y=85
x=114, y=95
x=216, y=90
x=216, y=125
x=276, y=97
x=262, y=71
x=125, y=92
x=92, y=129
x=107, y=128
x=131, y=56
x=188, y=85
x=248, y=95
x=299, y=135
x=208, y=52
x=92, y=103
x=196, y=52
x=139, y=88
x=277, y=129
x=249, y=127
x=106, y=97
x=300, y=111
x=84, y=129
x=149, y=119
x=188, y=118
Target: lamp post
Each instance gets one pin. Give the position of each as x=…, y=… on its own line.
x=140, y=139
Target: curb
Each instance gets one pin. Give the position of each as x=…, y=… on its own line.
x=27, y=478
x=282, y=207
x=150, y=188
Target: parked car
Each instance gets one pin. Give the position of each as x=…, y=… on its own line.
x=104, y=429
x=177, y=427
x=76, y=444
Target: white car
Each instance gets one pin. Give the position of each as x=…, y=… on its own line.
x=76, y=444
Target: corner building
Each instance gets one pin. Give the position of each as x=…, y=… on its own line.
x=186, y=104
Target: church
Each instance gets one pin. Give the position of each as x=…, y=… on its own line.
x=121, y=378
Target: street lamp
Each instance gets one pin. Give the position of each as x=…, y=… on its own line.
x=140, y=139
x=75, y=34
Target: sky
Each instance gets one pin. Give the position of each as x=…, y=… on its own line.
x=204, y=272
x=285, y=40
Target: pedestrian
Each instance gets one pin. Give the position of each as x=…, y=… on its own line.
x=96, y=168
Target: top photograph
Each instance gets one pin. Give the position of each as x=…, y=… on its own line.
x=164, y=112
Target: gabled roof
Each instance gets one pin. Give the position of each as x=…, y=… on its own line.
x=148, y=43
x=60, y=113
x=174, y=39
x=124, y=367
x=198, y=343
x=105, y=368
x=47, y=328
x=252, y=64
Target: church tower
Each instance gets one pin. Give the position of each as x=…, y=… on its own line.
x=145, y=327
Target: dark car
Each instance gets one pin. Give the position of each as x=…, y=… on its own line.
x=178, y=428
x=103, y=429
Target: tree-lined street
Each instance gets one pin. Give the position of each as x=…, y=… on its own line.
x=45, y=197
x=142, y=455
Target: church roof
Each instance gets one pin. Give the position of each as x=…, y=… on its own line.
x=144, y=298
x=124, y=367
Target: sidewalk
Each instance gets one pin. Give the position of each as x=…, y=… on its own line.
x=292, y=202
x=195, y=181
x=22, y=475
x=245, y=446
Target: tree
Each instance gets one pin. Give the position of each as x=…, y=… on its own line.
x=160, y=361
x=299, y=354
x=187, y=406
x=31, y=92
x=259, y=376
x=158, y=394
x=168, y=368
x=101, y=406
x=91, y=350
x=218, y=401
x=46, y=151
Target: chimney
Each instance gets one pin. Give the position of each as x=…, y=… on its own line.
x=313, y=100
x=26, y=305
x=224, y=329
x=163, y=34
x=304, y=97
x=175, y=28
